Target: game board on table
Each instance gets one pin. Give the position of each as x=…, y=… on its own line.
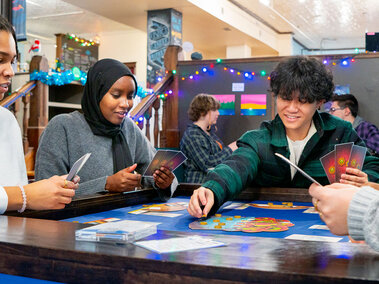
x=243, y=224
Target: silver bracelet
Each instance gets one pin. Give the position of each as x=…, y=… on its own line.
x=23, y=199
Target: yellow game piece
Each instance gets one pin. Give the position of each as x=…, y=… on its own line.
x=145, y=205
x=202, y=216
x=290, y=204
x=75, y=221
x=218, y=227
x=221, y=224
x=216, y=220
x=218, y=215
x=229, y=218
x=237, y=217
x=203, y=223
x=270, y=203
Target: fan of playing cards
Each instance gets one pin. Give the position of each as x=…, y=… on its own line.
x=343, y=156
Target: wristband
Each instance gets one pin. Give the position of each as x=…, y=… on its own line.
x=23, y=199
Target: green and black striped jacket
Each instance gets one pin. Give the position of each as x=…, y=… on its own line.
x=254, y=162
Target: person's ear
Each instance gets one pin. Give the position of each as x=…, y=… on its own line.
x=346, y=111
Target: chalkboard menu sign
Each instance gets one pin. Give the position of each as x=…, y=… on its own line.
x=74, y=52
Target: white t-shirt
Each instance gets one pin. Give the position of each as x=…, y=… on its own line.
x=297, y=147
x=12, y=161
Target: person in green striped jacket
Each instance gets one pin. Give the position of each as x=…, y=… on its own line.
x=299, y=132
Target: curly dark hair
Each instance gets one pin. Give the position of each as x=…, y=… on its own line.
x=304, y=74
x=347, y=100
x=7, y=27
x=200, y=105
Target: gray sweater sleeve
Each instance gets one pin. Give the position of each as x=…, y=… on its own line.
x=363, y=216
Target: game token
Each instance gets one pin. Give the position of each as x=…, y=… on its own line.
x=229, y=218
x=218, y=227
x=270, y=203
x=221, y=224
x=203, y=223
x=237, y=217
x=145, y=205
x=217, y=215
x=216, y=220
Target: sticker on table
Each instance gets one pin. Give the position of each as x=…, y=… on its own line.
x=313, y=238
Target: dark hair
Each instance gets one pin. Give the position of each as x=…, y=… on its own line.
x=7, y=27
x=200, y=105
x=345, y=101
x=304, y=74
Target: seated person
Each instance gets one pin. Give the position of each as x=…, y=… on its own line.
x=299, y=132
x=118, y=146
x=199, y=143
x=346, y=107
x=15, y=193
x=347, y=209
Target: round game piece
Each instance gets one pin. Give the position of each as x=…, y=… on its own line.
x=221, y=224
x=218, y=227
x=203, y=223
x=270, y=203
x=217, y=215
x=75, y=221
x=229, y=218
x=237, y=217
x=216, y=220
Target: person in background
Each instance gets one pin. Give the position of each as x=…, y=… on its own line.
x=203, y=148
x=349, y=210
x=120, y=152
x=299, y=132
x=15, y=192
x=346, y=108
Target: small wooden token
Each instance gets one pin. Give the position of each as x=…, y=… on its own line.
x=218, y=227
x=221, y=224
x=218, y=215
x=229, y=218
x=75, y=221
x=290, y=204
x=237, y=217
x=270, y=203
x=216, y=220
x=203, y=223
x=145, y=205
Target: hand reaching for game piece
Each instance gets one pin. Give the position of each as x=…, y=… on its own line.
x=201, y=197
x=163, y=177
x=124, y=180
x=354, y=177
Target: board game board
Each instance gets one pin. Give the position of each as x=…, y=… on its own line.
x=163, y=207
x=242, y=224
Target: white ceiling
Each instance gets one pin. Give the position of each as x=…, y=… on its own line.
x=316, y=24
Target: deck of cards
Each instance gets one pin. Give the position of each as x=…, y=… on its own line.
x=343, y=156
x=170, y=159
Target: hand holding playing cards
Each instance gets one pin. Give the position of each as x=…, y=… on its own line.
x=163, y=177
x=124, y=180
x=332, y=201
x=354, y=177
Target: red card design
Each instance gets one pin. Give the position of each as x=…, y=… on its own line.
x=357, y=157
x=342, y=158
x=329, y=164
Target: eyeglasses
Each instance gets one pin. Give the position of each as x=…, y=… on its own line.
x=333, y=109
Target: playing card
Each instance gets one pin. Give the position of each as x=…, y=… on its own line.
x=342, y=158
x=357, y=157
x=170, y=159
x=77, y=166
x=329, y=164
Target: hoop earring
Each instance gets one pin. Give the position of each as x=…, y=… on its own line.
x=209, y=127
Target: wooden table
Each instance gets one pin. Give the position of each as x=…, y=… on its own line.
x=47, y=249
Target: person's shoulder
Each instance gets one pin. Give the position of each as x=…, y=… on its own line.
x=72, y=119
x=332, y=122
x=6, y=114
x=263, y=133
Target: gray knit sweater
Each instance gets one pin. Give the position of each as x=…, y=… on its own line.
x=68, y=137
x=363, y=216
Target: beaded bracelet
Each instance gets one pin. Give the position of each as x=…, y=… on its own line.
x=23, y=199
